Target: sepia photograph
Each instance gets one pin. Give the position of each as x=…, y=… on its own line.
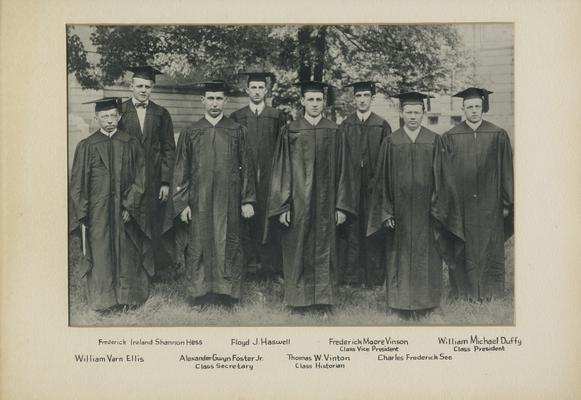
x=290, y=175
x=280, y=200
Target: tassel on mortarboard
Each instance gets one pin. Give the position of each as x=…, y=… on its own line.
x=413, y=98
x=476, y=93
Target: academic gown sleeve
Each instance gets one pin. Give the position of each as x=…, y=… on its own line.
x=181, y=180
x=79, y=187
x=79, y=201
x=446, y=208
x=507, y=181
x=248, y=187
x=168, y=148
x=347, y=198
x=279, y=194
x=381, y=204
x=134, y=195
x=446, y=205
x=386, y=130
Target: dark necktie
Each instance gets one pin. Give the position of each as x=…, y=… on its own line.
x=143, y=104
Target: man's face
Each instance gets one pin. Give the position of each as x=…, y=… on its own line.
x=412, y=115
x=256, y=91
x=363, y=100
x=313, y=103
x=473, y=110
x=141, y=89
x=107, y=119
x=214, y=102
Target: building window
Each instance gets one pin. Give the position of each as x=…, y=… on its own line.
x=455, y=120
x=433, y=120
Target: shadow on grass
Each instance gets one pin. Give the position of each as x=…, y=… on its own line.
x=262, y=305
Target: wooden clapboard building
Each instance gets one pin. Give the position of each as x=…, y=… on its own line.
x=182, y=102
x=491, y=46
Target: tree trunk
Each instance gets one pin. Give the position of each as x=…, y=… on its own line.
x=312, y=48
x=304, y=50
x=318, y=48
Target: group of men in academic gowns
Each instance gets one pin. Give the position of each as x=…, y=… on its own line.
x=119, y=196
x=311, y=202
x=448, y=196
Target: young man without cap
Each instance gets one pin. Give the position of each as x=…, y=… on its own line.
x=263, y=125
x=361, y=257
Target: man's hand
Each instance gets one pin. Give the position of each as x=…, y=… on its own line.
x=285, y=218
x=186, y=215
x=390, y=223
x=340, y=217
x=125, y=215
x=163, y=193
x=247, y=211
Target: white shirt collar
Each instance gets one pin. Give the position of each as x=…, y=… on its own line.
x=214, y=121
x=413, y=135
x=254, y=107
x=474, y=126
x=363, y=116
x=136, y=102
x=313, y=121
x=104, y=132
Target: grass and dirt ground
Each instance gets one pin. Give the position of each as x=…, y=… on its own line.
x=262, y=305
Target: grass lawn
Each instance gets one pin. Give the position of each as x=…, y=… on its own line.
x=262, y=306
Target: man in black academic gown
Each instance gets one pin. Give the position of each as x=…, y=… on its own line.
x=151, y=124
x=263, y=125
x=481, y=158
x=310, y=195
x=213, y=189
x=107, y=193
x=409, y=199
x=361, y=257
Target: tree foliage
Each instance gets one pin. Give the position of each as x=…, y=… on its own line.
x=399, y=57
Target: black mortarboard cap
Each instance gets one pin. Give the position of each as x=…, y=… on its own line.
x=312, y=86
x=106, y=103
x=363, y=86
x=215, y=85
x=259, y=76
x=145, y=72
x=476, y=93
x=413, y=98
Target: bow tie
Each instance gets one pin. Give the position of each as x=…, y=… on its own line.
x=143, y=104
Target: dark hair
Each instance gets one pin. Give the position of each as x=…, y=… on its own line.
x=145, y=79
x=256, y=80
x=402, y=105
